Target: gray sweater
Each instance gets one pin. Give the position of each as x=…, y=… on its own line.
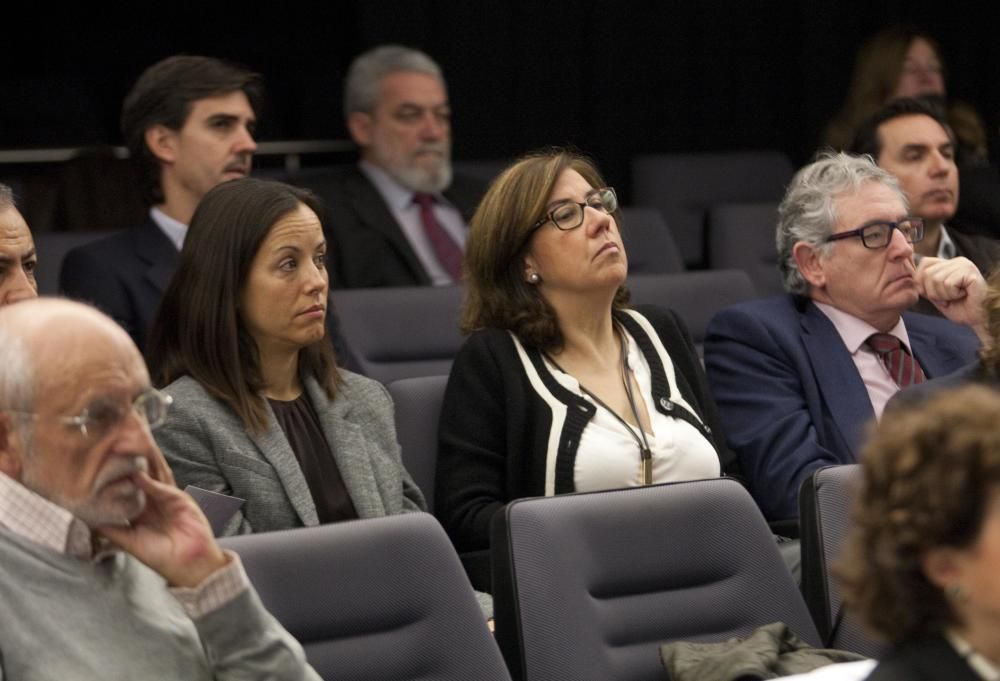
x=65, y=618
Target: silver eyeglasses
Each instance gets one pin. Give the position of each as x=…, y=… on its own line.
x=567, y=215
x=879, y=234
x=101, y=416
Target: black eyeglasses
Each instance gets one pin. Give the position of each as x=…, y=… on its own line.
x=879, y=234
x=101, y=416
x=567, y=215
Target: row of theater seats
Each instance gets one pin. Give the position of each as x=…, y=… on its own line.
x=713, y=210
x=586, y=586
x=397, y=333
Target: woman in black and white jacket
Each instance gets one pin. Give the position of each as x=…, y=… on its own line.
x=560, y=387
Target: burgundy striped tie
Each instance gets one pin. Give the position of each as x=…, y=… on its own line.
x=903, y=369
x=447, y=251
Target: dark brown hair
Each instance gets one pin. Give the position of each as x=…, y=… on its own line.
x=929, y=473
x=198, y=331
x=164, y=95
x=990, y=352
x=497, y=296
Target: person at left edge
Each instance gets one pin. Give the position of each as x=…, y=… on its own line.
x=109, y=571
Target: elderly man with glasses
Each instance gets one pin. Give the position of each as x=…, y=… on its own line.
x=798, y=376
x=109, y=570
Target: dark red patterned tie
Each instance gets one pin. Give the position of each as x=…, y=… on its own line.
x=447, y=251
x=903, y=369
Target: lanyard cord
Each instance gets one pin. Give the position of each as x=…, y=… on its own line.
x=645, y=455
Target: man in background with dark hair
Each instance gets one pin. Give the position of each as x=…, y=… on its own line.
x=911, y=139
x=17, y=253
x=189, y=125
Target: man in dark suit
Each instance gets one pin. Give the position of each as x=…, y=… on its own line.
x=911, y=139
x=189, y=124
x=400, y=217
x=797, y=377
x=17, y=253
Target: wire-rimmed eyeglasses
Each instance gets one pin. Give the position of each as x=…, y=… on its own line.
x=879, y=234
x=101, y=416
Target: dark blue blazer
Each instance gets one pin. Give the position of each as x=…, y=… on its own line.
x=125, y=275
x=790, y=396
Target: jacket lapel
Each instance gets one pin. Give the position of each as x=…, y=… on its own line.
x=349, y=447
x=375, y=214
x=154, y=248
x=274, y=446
x=837, y=377
x=936, y=358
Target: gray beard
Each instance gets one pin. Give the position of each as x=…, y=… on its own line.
x=423, y=180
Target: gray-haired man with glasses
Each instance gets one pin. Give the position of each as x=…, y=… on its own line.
x=109, y=570
x=798, y=376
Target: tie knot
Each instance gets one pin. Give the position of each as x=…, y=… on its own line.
x=423, y=200
x=883, y=343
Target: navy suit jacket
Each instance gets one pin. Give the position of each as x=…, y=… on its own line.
x=367, y=245
x=125, y=275
x=790, y=396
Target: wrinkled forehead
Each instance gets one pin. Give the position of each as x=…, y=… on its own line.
x=14, y=230
x=73, y=363
x=873, y=200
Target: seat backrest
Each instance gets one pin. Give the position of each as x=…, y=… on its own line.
x=684, y=186
x=418, y=408
x=588, y=586
x=695, y=296
x=825, y=500
x=52, y=248
x=741, y=236
x=401, y=332
x=383, y=599
x=649, y=243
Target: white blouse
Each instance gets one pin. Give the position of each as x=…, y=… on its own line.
x=608, y=456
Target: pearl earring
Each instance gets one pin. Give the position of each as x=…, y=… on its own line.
x=534, y=278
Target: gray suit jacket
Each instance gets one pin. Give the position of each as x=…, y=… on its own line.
x=207, y=445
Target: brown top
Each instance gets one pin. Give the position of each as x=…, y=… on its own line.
x=301, y=426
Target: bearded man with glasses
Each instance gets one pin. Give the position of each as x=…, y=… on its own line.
x=109, y=570
x=797, y=377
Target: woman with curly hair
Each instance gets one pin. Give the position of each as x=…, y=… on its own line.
x=922, y=565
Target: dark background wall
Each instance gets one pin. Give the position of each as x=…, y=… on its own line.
x=613, y=78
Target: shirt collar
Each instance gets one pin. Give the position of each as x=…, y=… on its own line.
x=35, y=518
x=174, y=229
x=946, y=247
x=854, y=332
x=395, y=194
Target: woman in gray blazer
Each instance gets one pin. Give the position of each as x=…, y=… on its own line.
x=260, y=409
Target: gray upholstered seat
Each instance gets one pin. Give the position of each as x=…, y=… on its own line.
x=418, y=408
x=402, y=332
x=684, y=186
x=588, y=586
x=649, y=243
x=825, y=500
x=384, y=599
x=741, y=236
x=695, y=296
x=51, y=248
